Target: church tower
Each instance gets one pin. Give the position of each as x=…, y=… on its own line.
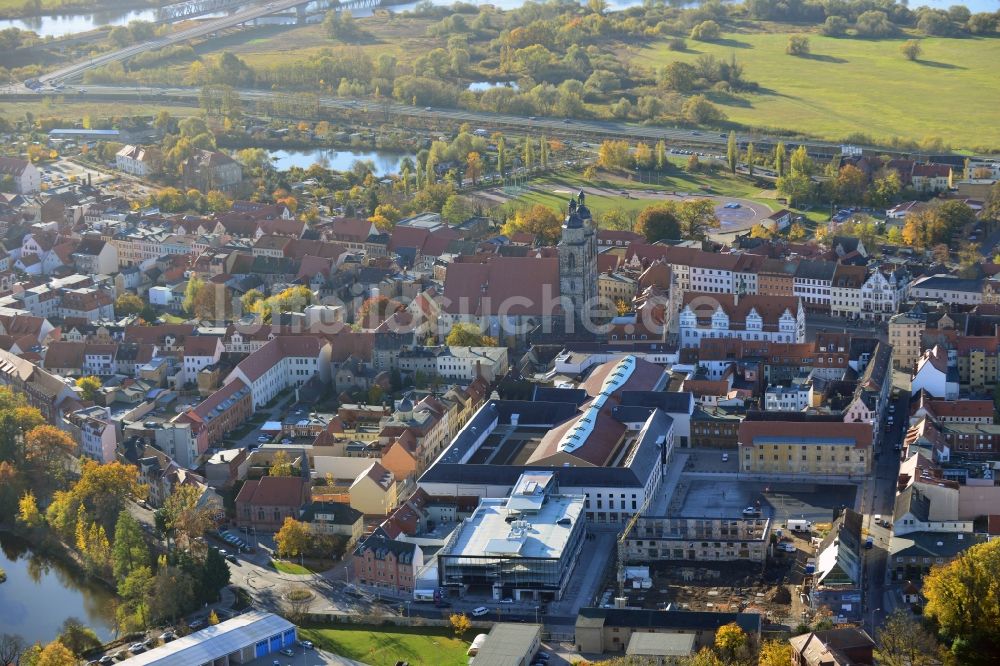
x=578, y=258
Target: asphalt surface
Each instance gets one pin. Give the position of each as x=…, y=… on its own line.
x=880, y=593
x=207, y=28
x=551, y=126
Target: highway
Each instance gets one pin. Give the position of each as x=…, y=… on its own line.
x=77, y=69
x=487, y=120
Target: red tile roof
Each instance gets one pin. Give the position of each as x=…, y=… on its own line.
x=524, y=286
x=860, y=433
x=274, y=491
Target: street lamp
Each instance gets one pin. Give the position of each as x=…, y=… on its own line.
x=874, y=610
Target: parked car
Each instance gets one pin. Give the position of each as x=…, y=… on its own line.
x=787, y=547
x=105, y=660
x=725, y=457
x=480, y=611
x=306, y=644
x=869, y=542
x=288, y=652
x=751, y=511
x=137, y=648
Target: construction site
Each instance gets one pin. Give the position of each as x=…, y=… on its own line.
x=721, y=575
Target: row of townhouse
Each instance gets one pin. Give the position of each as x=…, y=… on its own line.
x=751, y=318
x=871, y=293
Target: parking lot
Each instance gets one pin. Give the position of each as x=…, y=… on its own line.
x=728, y=498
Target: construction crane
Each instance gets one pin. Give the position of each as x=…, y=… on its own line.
x=622, y=555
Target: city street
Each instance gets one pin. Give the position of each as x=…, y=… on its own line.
x=880, y=593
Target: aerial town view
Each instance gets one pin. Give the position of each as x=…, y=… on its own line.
x=499, y=333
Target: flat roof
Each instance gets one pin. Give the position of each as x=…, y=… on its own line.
x=507, y=644
x=214, y=642
x=660, y=644
x=537, y=534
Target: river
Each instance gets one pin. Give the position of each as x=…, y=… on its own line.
x=58, y=25
x=338, y=160
x=40, y=594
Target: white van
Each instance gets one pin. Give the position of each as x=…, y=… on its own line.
x=481, y=611
x=799, y=525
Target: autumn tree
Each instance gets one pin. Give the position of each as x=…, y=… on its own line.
x=213, y=618
x=643, y=156
x=731, y=641
x=697, y=218
x=775, y=653
x=48, y=452
x=104, y=490
x=801, y=164
x=281, y=465
x=963, y=604
x=128, y=303
x=798, y=45
x=185, y=516
x=460, y=624
x=658, y=222
x=293, y=538
x=468, y=335
x=55, y=654
x=850, y=184
x=28, y=513
x=780, y=159
x=614, y=154
x=474, y=167
x=704, y=657
x=797, y=232
x=911, y=49
x=194, y=285
x=375, y=310
x=172, y=591
x=540, y=221
x=903, y=641
x=89, y=386
x=732, y=152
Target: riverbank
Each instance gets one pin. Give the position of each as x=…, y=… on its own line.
x=44, y=588
x=16, y=9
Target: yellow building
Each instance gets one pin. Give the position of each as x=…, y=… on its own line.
x=806, y=448
x=612, y=288
x=904, y=336
x=373, y=493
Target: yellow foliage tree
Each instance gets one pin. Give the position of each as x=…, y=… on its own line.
x=540, y=221
x=293, y=538
x=460, y=623
x=55, y=654
x=27, y=510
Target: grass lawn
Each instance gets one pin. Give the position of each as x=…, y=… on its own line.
x=554, y=191
x=856, y=85
x=386, y=646
x=269, y=46
x=284, y=566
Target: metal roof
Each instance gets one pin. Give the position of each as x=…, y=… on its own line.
x=214, y=642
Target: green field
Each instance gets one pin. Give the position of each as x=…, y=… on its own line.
x=855, y=85
x=554, y=191
x=385, y=646
x=287, y=567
